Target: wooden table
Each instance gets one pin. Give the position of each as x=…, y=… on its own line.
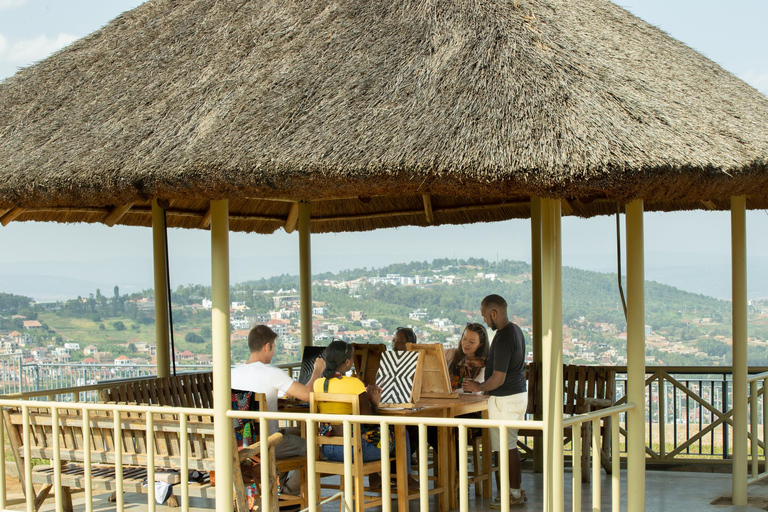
x=436, y=408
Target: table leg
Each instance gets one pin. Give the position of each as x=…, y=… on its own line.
x=487, y=455
x=452, y=489
x=402, y=458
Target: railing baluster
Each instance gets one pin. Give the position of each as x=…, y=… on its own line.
x=596, y=487
x=150, y=422
x=312, y=489
x=386, y=488
x=184, y=454
x=615, y=465
x=28, y=488
x=349, y=486
x=504, y=470
x=2, y=466
x=87, y=460
x=424, y=469
x=662, y=418
x=118, y=427
x=765, y=425
x=753, y=424
x=266, y=487
x=576, y=465
x=56, y=457
x=463, y=465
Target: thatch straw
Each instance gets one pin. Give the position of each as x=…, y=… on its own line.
x=470, y=102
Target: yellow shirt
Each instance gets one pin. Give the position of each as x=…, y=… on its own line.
x=343, y=386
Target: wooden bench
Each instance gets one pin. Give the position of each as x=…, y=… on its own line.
x=135, y=443
x=194, y=390
x=585, y=389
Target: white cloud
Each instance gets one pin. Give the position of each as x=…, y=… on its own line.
x=757, y=80
x=3, y=45
x=28, y=51
x=11, y=4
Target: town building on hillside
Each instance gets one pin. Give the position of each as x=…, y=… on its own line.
x=91, y=350
x=90, y=360
x=356, y=316
x=32, y=324
x=122, y=361
x=207, y=304
x=187, y=355
x=72, y=347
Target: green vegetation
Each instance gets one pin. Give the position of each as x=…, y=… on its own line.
x=592, y=310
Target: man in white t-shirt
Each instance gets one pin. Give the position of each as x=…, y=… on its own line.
x=259, y=376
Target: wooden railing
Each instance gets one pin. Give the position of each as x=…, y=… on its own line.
x=689, y=413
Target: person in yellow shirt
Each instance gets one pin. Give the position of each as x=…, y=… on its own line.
x=339, y=356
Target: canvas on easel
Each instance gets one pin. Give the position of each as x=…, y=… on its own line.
x=433, y=378
x=367, y=361
x=310, y=354
x=398, y=378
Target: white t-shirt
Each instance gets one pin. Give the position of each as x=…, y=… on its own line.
x=262, y=378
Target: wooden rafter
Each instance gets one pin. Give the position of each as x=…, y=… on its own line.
x=117, y=213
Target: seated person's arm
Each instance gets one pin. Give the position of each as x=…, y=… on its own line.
x=299, y=390
x=369, y=403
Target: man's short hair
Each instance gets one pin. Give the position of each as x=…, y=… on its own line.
x=260, y=336
x=496, y=302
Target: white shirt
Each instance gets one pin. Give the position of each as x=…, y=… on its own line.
x=262, y=378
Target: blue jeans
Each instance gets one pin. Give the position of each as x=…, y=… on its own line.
x=371, y=452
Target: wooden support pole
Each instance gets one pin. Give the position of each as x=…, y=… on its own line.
x=162, y=316
x=536, y=283
x=635, y=357
x=740, y=364
x=305, y=274
x=222, y=358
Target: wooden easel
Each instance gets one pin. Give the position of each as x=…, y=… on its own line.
x=367, y=360
x=432, y=379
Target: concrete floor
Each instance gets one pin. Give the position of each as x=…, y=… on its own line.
x=666, y=491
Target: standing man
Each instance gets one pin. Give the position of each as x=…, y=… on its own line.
x=259, y=376
x=505, y=382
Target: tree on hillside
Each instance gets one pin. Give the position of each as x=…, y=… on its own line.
x=119, y=326
x=191, y=337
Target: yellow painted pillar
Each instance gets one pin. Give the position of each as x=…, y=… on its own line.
x=536, y=282
x=222, y=358
x=552, y=354
x=162, y=329
x=305, y=274
x=635, y=357
x=740, y=368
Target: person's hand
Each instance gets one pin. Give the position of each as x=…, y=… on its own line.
x=470, y=386
x=319, y=366
x=374, y=393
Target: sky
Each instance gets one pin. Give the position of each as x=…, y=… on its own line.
x=690, y=250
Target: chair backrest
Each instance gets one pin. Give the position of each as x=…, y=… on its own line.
x=315, y=399
x=585, y=388
x=367, y=360
x=247, y=430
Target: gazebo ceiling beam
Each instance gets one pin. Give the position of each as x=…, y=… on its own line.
x=293, y=218
x=10, y=216
x=117, y=213
x=205, y=223
x=428, y=208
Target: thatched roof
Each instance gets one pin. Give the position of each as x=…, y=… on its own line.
x=382, y=113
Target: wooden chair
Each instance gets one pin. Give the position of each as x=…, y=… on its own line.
x=367, y=359
x=360, y=469
x=585, y=389
x=247, y=432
